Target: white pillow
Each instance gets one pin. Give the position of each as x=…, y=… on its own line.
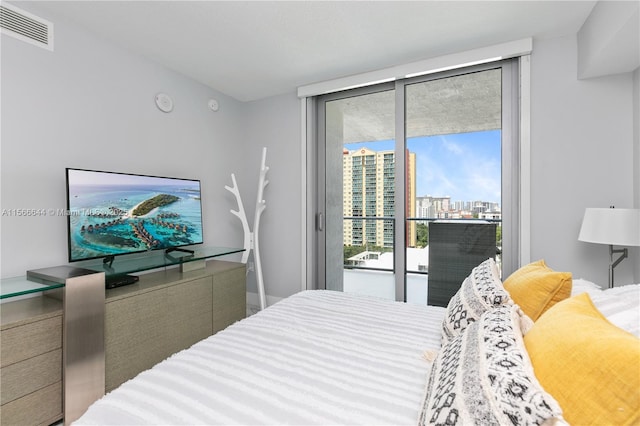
x=620, y=305
x=479, y=292
x=484, y=375
x=583, y=286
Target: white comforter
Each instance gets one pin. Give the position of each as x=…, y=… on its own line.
x=620, y=305
x=318, y=357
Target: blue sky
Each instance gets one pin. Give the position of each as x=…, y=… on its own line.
x=464, y=166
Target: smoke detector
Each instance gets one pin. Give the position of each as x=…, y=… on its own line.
x=164, y=102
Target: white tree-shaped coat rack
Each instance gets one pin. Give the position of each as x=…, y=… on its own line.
x=251, y=238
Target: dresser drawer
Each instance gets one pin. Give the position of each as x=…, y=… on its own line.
x=24, y=377
x=29, y=340
x=42, y=407
x=229, y=298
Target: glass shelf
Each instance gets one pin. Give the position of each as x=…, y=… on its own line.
x=51, y=278
x=154, y=259
x=19, y=286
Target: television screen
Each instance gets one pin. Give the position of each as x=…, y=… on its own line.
x=116, y=213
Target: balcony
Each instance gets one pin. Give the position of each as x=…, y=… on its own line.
x=370, y=270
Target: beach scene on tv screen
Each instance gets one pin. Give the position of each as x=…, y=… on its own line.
x=111, y=213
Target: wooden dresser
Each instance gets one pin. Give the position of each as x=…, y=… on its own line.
x=164, y=312
x=167, y=311
x=31, y=361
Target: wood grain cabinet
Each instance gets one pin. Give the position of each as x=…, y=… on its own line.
x=31, y=361
x=144, y=323
x=167, y=311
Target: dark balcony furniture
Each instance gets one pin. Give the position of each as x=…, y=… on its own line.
x=455, y=248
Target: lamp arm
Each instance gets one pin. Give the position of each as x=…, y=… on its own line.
x=625, y=254
x=612, y=264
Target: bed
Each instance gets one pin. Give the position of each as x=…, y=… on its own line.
x=325, y=357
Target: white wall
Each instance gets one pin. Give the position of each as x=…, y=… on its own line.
x=90, y=104
x=275, y=123
x=582, y=154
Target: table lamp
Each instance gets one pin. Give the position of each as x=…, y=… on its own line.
x=620, y=227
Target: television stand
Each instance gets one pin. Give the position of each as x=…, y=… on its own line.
x=108, y=260
x=183, y=250
x=107, y=334
x=113, y=281
x=190, y=255
x=188, y=260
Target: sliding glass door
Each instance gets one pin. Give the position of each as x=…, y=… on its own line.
x=396, y=158
x=357, y=193
x=453, y=135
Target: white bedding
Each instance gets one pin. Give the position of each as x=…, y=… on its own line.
x=618, y=304
x=317, y=357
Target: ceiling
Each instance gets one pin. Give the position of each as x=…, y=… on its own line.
x=465, y=103
x=253, y=50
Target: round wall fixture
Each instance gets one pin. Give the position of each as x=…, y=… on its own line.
x=164, y=102
x=213, y=105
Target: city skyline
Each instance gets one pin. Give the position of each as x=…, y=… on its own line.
x=463, y=166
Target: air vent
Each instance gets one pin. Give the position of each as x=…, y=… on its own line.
x=25, y=26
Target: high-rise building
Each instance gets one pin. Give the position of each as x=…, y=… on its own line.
x=432, y=207
x=369, y=191
x=410, y=197
x=443, y=208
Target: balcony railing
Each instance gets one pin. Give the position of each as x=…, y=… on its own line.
x=370, y=269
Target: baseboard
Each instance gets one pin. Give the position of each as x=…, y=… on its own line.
x=253, y=302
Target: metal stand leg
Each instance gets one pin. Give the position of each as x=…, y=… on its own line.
x=83, y=344
x=83, y=374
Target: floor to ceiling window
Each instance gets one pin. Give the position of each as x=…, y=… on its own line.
x=453, y=132
x=397, y=158
x=358, y=191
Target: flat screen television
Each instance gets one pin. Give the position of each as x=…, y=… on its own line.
x=111, y=213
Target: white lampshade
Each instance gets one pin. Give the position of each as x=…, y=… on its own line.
x=620, y=227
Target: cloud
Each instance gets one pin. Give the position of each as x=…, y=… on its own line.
x=451, y=146
x=465, y=167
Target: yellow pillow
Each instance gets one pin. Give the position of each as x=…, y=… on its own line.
x=536, y=287
x=590, y=366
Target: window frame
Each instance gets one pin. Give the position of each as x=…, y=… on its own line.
x=515, y=187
